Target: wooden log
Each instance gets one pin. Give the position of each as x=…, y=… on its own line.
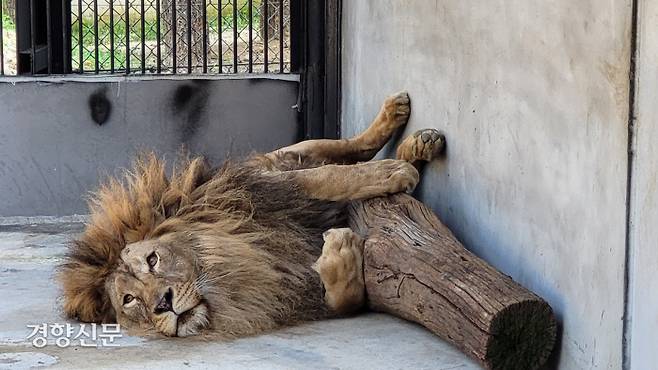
x=416, y=269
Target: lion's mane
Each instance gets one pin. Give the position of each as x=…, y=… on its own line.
x=257, y=233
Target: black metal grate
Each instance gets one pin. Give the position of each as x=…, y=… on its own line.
x=2, y=39
x=153, y=36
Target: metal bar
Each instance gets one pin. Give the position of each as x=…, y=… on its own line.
x=112, y=36
x=2, y=50
x=205, y=36
x=189, y=36
x=158, y=49
x=66, y=37
x=266, y=36
x=308, y=42
x=81, y=65
x=143, y=36
x=33, y=34
x=299, y=37
x=235, y=36
x=281, y=33
x=250, y=12
x=127, y=36
x=332, y=69
x=174, y=35
x=49, y=36
x=220, y=41
x=96, y=61
x=164, y=68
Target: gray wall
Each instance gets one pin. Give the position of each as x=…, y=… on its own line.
x=56, y=142
x=533, y=99
x=643, y=295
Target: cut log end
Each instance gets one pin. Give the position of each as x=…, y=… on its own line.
x=416, y=269
x=523, y=336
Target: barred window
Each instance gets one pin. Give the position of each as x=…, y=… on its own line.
x=144, y=36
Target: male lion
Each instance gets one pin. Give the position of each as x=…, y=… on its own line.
x=231, y=251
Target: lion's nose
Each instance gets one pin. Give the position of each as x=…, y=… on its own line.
x=165, y=303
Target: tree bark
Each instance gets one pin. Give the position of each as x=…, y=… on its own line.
x=9, y=8
x=274, y=30
x=273, y=17
x=416, y=269
x=182, y=47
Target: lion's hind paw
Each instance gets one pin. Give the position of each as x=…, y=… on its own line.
x=341, y=269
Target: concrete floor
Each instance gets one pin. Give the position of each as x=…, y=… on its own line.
x=28, y=254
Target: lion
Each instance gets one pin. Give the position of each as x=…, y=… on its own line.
x=236, y=251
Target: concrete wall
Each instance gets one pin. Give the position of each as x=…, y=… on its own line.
x=533, y=99
x=643, y=294
x=58, y=138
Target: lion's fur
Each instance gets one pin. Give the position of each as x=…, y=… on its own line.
x=257, y=235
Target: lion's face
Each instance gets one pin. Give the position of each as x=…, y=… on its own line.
x=157, y=287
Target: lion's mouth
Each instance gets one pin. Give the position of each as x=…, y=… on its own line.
x=184, y=317
x=192, y=321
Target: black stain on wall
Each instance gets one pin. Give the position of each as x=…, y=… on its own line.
x=183, y=95
x=189, y=103
x=100, y=106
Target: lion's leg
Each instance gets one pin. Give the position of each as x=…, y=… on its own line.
x=341, y=270
x=394, y=113
x=358, y=181
x=421, y=146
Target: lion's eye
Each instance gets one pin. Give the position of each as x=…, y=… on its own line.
x=128, y=298
x=152, y=259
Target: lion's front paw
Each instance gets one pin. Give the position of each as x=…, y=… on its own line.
x=399, y=176
x=341, y=269
x=423, y=145
x=397, y=109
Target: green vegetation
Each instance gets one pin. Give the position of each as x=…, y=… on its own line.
x=7, y=23
x=150, y=32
